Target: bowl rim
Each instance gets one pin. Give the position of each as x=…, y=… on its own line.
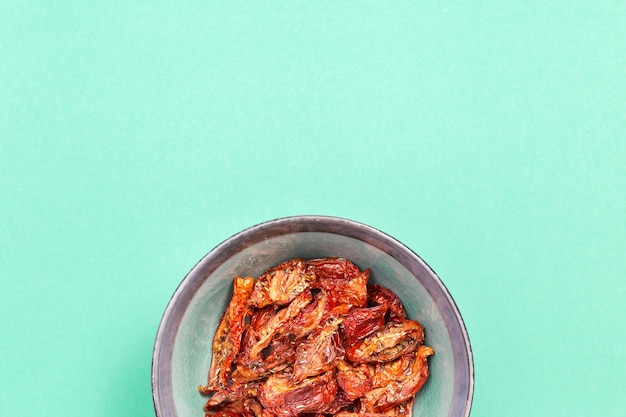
x=171, y=318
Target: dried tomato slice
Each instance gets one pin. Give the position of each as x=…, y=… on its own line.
x=320, y=352
x=384, y=296
x=394, y=340
x=282, y=284
x=404, y=387
x=344, y=281
x=361, y=322
x=275, y=325
x=309, y=317
x=227, y=339
x=355, y=380
x=285, y=398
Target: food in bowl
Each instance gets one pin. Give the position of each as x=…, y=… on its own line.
x=314, y=337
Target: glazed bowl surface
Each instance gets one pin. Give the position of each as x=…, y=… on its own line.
x=182, y=351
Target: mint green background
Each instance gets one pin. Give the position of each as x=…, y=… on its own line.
x=488, y=137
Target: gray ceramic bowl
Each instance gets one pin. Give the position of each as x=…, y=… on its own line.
x=182, y=351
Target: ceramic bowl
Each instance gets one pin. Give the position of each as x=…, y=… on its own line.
x=182, y=351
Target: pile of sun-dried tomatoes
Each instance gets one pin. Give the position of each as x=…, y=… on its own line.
x=313, y=338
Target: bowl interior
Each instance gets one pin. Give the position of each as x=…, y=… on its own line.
x=200, y=313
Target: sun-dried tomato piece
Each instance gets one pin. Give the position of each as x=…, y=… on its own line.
x=403, y=388
x=354, y=380
x=320, y=352
x=361, y=322
x=386, y=372
x=284, y=398
x=223, y=413
x=384, y=296
x=310, y=317
x=333, y=269
x=339, y=403
x=404, y=409
x=281, y=356
x=259, y=320
x=344, y=281
x=388, y=344
x=281, y=284
x=252, y=407
x=227, y=338
x=233, y=397
x=276, y=325
x=261, y=317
